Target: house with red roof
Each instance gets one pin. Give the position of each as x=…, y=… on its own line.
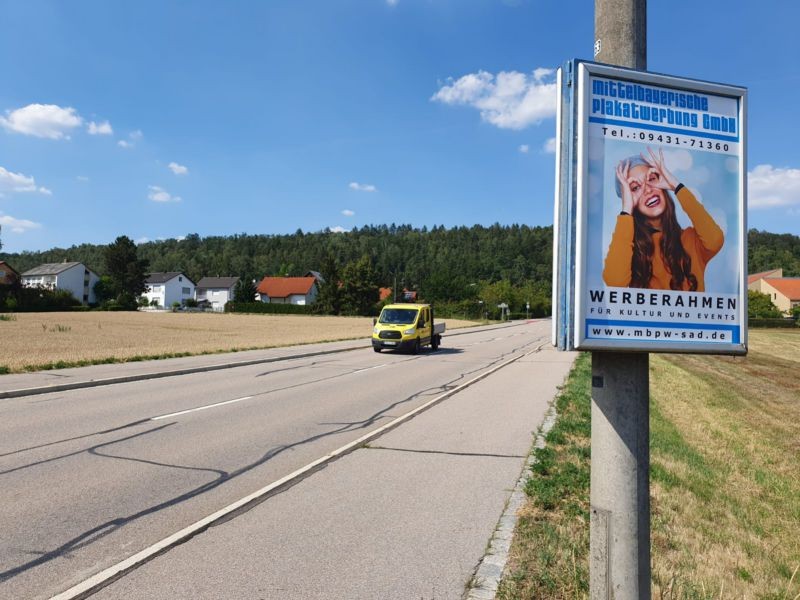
x=783, y=291
x=288, y=290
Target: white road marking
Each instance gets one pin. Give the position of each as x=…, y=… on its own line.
x=183, y=412
x=94, y=583
x=370, y=368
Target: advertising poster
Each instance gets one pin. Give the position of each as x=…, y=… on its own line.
x=660, y=259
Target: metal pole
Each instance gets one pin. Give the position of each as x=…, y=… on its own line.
x=619, y=562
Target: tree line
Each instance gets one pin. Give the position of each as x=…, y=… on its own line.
x=443, y=265
x=467, y=270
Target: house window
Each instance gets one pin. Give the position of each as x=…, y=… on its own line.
x=180, y=278
x=186, y=291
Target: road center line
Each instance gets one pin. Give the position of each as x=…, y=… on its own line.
x=370, y=368
x=183, y=412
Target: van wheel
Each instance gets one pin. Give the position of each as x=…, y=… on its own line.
x=416, y=347
x=435, y=341
x=376, y=349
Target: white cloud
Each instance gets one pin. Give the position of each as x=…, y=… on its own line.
x=338, y=229
x=17, y=225
x=82, y=178
x=178, y=169
x=16, y=182
x=362, y=187
x=42, y=120
x=769, y=186
x=45, y=191
x=348, y=213
x=510, y=100
x=392, y=2
x=159, y=194
x=524, y=148
x=134, y=136
x=103, y=128
x=141, y=240
x=550, y=146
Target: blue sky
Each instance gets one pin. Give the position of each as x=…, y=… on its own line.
x=155, y=119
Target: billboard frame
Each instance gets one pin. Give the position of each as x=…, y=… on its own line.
x=571, y=210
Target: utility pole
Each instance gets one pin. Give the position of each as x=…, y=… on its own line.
x=619, y=563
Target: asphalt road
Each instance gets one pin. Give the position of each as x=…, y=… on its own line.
x=92, y=476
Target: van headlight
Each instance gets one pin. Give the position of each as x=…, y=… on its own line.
x=409, y=331
x=375, y=331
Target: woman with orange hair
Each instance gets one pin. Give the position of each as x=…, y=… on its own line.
x=649, y=249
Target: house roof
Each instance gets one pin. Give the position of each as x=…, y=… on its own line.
x=788, y=286
x=282, y=287
x=50, y=268
x=756, y=276
x=316, y=275
x=9, y=267
x=217, y=282
x=165, y=277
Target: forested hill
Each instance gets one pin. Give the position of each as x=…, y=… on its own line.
x=767, y=251
x=443, y=263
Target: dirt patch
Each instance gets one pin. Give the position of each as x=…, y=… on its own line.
x=38, y=339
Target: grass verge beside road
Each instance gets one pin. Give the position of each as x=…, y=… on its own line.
x=725, y=482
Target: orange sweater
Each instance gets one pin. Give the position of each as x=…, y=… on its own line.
x=701, y=242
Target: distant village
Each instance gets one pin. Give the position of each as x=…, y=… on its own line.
x=165, y=291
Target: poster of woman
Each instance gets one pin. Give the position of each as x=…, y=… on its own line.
x=661, y=220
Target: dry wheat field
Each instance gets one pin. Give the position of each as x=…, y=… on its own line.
x=30, y=340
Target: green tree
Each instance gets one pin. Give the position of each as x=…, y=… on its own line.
x=759, y=306
x=245, y=290
x=359, y=291
x=104, y=289
x=126, y=272
x=329, y=298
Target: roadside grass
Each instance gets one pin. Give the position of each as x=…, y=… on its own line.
x=551, y=542
x=724, y=481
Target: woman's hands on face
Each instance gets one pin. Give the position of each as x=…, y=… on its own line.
x=630, y=186
x=659, y=176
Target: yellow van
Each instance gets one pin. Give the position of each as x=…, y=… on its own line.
x=406, y=327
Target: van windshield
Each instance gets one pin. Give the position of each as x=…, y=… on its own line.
x=398, y=316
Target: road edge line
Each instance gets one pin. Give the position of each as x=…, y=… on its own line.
x=107, y=576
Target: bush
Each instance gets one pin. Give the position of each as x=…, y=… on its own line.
x=190, y=303
x=787, y=322
x=42, y=299
x=268, y=308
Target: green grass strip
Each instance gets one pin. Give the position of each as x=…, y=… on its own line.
x=550, y=558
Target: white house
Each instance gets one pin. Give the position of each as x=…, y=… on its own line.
x=288, y=290
x=74, y=277
x=215, y=291
x=168, y=288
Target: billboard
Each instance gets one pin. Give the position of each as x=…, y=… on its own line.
x=650, y=250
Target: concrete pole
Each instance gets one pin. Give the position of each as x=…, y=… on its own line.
x=619, y=562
